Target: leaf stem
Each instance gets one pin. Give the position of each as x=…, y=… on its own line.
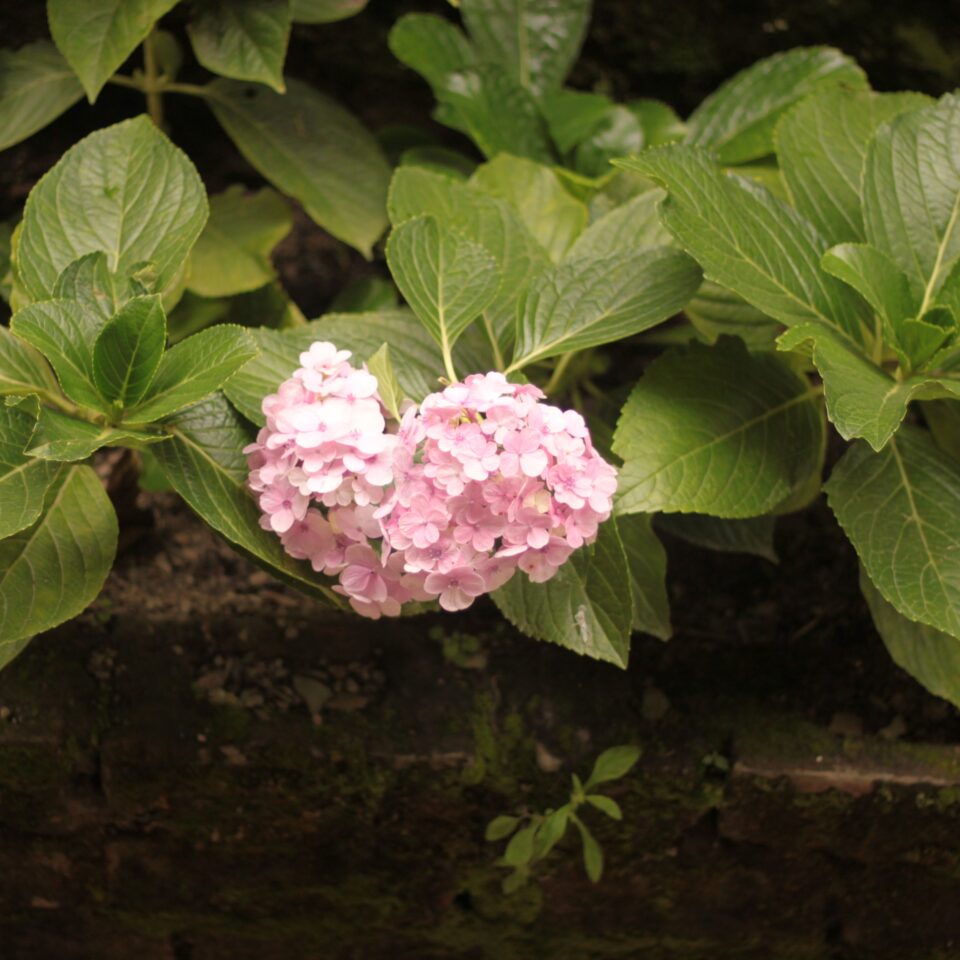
x=498, y=361
x=558, y=371
x=151, y=76
x=448, y=359
x=159, y=85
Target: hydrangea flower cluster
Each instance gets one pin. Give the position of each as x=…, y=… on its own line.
x=480, y=480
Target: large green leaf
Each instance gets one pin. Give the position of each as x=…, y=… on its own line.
x=205, y=464
x=96, y=36
x=747, y=240
x=66, y=439
x=232, y=255
x=311, y=148
x=821, y=145
x=88, y=280
x=537, y=42
x=432, y=46
x=23, y=480
x=128, y=350
x=929, y=655
x=901, y=510
x=36, y=86
x=22, y=369
x=125, y=190
x=752, y=535
x=635, y=223
x=413, y=353
x=53, y=569
x=911, y=194
x=738, y=120
x=647, y=561
x=64, y=332
x=592, y=300
x=193, y=369
x=862, y=399
x=587, y=607
x=491, y=222
x=715, y=430
x=551, y=214
x=499, y=114
x=573, y=115
x=447, y=280
x=715, y=311
x=243, y=39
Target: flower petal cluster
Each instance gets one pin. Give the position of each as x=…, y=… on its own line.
x=479, y=481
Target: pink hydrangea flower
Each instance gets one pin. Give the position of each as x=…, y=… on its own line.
x=479, y=481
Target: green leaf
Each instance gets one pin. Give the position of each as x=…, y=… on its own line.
x=715, y=311
x=491, y=222
x=928, y=655
x=605, y=805
x=64, y=333
x=23, y=480
x=446, y=279
x=537, y=43
x=911, y=194
x=520, y=848
x=125, y=190
x=205, y=464
x=243, y=39
x=128, y=350
x=550, y=832
x=635, y=223
x=413, y=352
x=552, y=215
x=584, y=608
x=388, y=387
x=53, y=569
x=325, y=11
x=648, y=571
x=89, y=281
x=748, y=241
x=432, y=46
x=36, y=86
x=232, y=255
x=592, y=300
x=659, y=122
x=612, y=764
x=499, y=828
x=715, y=430
x=617, y=134
x=96, y=36
x=366, y=295
x=821, y=145
x=592, y=854
x=900, y=509
x=862, y=400
x=441, y=160
x=573, y=115
x=193, y=369
x=738, y=121
x=752, y=535
x=310, y=147
x=63, y=438
x=22, y=369
x=498, y=113
x=875, y=277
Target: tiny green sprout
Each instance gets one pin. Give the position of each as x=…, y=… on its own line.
x=533, y=835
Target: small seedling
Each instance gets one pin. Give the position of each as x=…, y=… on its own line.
x=533, y=836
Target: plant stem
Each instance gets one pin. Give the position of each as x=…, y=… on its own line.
x=494, y=346
x=448, y=360
x=558, y=371
x=160, y=86
x=151, y=76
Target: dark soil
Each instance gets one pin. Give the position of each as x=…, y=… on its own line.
x=207, y=765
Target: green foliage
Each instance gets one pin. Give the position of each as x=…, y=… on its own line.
x=715, y=430
x=587, y=607
x=311, y=148
x=534, y=835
